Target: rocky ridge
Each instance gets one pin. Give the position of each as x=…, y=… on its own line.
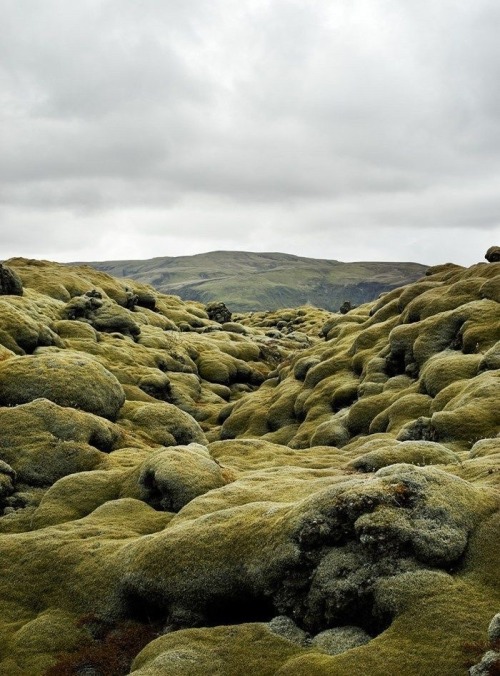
x=184, y=491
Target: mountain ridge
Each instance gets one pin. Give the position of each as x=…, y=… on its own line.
x=253, y=281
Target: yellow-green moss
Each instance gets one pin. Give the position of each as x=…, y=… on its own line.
x=226, y=651
x=337, y=488
x=68, y=379
x=162, y=423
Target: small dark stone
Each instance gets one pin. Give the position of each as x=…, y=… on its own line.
x=346, y=307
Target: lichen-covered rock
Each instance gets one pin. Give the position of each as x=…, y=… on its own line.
x=103, y=315
x=284, y=626
x=404, y=520
x=66, y=378
x=489, y=662
x=494, y=629
x=84, y=306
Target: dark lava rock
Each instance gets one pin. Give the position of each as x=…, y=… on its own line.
x=10, y=282
x=493, y=254
x=218, y=312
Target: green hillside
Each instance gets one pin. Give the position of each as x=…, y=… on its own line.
x=248, y=281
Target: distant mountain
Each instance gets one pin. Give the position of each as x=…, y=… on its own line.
x=248, y=281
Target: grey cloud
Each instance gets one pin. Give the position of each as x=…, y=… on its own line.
x=249, y=124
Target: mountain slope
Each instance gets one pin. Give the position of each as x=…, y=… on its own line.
x=248, y=281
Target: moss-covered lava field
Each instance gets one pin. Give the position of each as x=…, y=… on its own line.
x=287, y=493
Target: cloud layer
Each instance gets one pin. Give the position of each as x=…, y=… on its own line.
x=350, y=129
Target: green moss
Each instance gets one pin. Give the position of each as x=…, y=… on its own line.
x=44, y=442
x=406, y=408
x=382, y=453
x=332, y=432
x=447, y=367
x=428, y=637
x=161, y=423
x=68, y=379
x=219, y=369
x=338, y=489
x=111, y=317
x=228, y=651
x=362, y=413
x=75, y=496
x=473, y=413
x=170, y=478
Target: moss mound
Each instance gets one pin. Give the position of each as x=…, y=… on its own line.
x=72, y=380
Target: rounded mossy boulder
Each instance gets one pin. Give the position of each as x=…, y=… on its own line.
x=284, y=626
x=447, y=367
x=233, y=650
x=110, y=317
x=73, y=329
x=34, y=643
x=170, y=478
x=473, y=413
x=19, y=332
x=339, y=639
x=380, y=453
x=43, y=442
x=161, y=423
x=67, y=378
x=7, y=481
x=75, y=496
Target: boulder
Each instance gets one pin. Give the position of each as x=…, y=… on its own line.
x=218, y=312
x=493, y=254
x=42, y=442
x=66, y=378
x=339, y=639
x=170, y=478
x=10, y=282
x=162, y=423
x=346, y=307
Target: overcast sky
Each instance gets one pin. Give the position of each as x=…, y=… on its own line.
x=343, y=129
